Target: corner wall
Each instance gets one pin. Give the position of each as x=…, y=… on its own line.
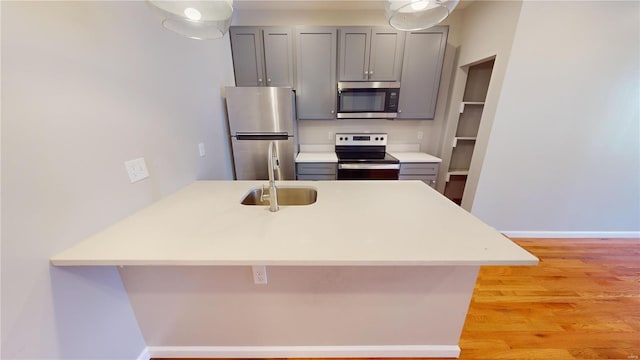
x=85, y=87
x=487, y=30
x=564, y=153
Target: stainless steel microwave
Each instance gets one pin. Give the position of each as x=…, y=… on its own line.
x=368, y=100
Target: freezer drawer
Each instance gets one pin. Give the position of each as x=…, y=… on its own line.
x=250, y=159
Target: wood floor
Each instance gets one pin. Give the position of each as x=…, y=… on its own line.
x=581, y=302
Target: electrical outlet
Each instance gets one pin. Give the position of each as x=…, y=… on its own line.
x=137, y=169
x=259, y=274
x=201, y=149
x=420, y=135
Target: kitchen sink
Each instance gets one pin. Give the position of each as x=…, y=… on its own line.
x=286, y=196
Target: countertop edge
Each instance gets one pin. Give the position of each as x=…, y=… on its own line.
x=66, y=263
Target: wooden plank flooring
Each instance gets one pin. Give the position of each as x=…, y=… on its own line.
x=581, y=302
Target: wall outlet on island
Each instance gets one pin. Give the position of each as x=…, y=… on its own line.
x=201, y=149
x=259, y=274
x=136, y=169
x=420, y=135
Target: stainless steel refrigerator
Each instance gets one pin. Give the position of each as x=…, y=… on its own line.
x=257, y=116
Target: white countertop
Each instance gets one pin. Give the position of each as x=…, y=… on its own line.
x=414, y=157
x=352, y=223
x=315, y=157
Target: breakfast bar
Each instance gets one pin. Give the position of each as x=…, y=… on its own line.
x=367, y=269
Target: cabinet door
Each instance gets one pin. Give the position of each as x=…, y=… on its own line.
x=316, y=88
x=246, y=49
x=353, y=64
x=385, y=61
x=278, y=56
x=421, y=70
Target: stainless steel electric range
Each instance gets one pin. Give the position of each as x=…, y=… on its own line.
x=364, y=157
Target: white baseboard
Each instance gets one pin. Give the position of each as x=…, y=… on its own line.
x=369, y=351
x=572, y=234
x=144, y=355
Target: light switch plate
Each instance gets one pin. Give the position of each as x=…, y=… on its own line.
x=201, y=149
x=137, y=169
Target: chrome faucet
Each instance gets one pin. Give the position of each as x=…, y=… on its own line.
x=274, y=166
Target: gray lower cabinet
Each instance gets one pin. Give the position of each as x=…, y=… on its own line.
x=421, y=70
x=316, y=171
x=262, y=56
x=427, y=172
x=316, y=86
x=370, y=53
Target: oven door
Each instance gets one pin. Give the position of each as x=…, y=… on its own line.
x=367, y=171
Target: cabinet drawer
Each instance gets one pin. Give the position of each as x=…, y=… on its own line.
x=429, y=180
x=419, y=168
x=317, y=177
x=317, y=168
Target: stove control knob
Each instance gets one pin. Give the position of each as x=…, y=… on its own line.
x=340, y=138
x=381, y=138
x=346, y=138
x=376, y=139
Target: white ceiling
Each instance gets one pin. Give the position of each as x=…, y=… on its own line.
x=317, y=4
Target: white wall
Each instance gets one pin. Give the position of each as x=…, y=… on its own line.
x=341, y=309
x=85, y=87
x=322, y=132
x=564, y=153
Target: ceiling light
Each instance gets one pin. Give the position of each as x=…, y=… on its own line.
x=412, y=15
x=192, y=14
x=196, y=19
x=418, y=5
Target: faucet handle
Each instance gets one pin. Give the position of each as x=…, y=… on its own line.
x=263, y=197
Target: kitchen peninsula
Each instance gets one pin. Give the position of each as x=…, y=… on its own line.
x=371, y=269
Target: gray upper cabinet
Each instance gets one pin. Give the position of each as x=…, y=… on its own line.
x=316, y=86
x=370, y=54
x=248, y=56
x=278, y=56
x=421, y=70
x=262, y=56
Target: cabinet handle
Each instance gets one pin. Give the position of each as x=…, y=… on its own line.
x=371, y=72
x=259, y=79
x=268, y=80
x=332, y=111
x=399, y=111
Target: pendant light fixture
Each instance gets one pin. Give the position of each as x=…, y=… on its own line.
x=412, y=15
x=196, y=19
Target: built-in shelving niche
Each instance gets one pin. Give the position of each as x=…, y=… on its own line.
x=471, y=107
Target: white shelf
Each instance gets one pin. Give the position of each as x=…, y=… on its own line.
x=463, y=138
x=464, y=103
x=454, y=172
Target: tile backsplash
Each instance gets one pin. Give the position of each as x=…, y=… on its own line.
x=423, y=133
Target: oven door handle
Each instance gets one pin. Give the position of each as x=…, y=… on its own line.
x=369, y=166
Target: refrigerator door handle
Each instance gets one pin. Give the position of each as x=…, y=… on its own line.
x=262, y=136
